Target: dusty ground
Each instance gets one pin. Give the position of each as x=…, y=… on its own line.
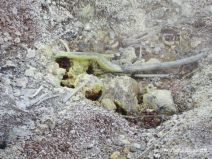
x=80, y=128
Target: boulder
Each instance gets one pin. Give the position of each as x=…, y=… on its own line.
x=123, y=92
x=160, y=101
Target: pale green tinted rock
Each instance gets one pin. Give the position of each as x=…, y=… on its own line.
x=153, y=61
x=108, y=104
x=94, y=87
x=160, y=100
x=123, y=91
x=115, y=155
x=87, y=12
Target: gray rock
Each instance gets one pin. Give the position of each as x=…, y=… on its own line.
x=137, y=146
x=91, y=145
x=87, y=11
x=16, y=92
x=49, y=120
x=156, y=156
x=125, y=141
x=14, y=11
x=1, y=40
x=160, y=100
x=210, y=57
x=195, y=42
x=123, y=92
x=99, y=46
x=87, y=27
x=9, y=63
x=129, y=156
x=20, y=132
x=30, y=72
x=157, y=50
x=17, y=40
x=21, y=82
x=55, y=81
x=134, y=147
x=31, y=53
x=92, y=90
x=128, y=55
x=152, y=61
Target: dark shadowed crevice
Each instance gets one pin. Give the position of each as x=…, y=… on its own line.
x=3, y=144
x=119, y=109
x=64, y=62
x=90, y=70
x=94, y=96
x=140, y=98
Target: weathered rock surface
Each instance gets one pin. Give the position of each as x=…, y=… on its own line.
x=93, y=88
x=123, y=92
x=128, y=55
x=108, y=104
x=160, y=100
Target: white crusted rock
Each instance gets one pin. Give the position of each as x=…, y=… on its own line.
x=21, y=82
x=30, y=72
x=31, y=53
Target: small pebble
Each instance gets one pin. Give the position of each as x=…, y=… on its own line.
x=31, y=53
x=15, y=11
x=125, y=141
x=10, y=63
x=1, y=40
x=90, y=146
x=17, y=33
x=157, y=50
x=136, y=145
x=115, y=155
x=21, y=82
x=17, y=40
x=156, y=156
x=30, y=72
x=72, y=132
x=16, y=92
x=87, y=27
x=129, y=156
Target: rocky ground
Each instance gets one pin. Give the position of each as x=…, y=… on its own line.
x=114, y=116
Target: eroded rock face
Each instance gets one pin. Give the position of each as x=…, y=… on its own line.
x=108, y=104
x=128, y=55
x=93, y=87
x=160, y=101
x=123, y=92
